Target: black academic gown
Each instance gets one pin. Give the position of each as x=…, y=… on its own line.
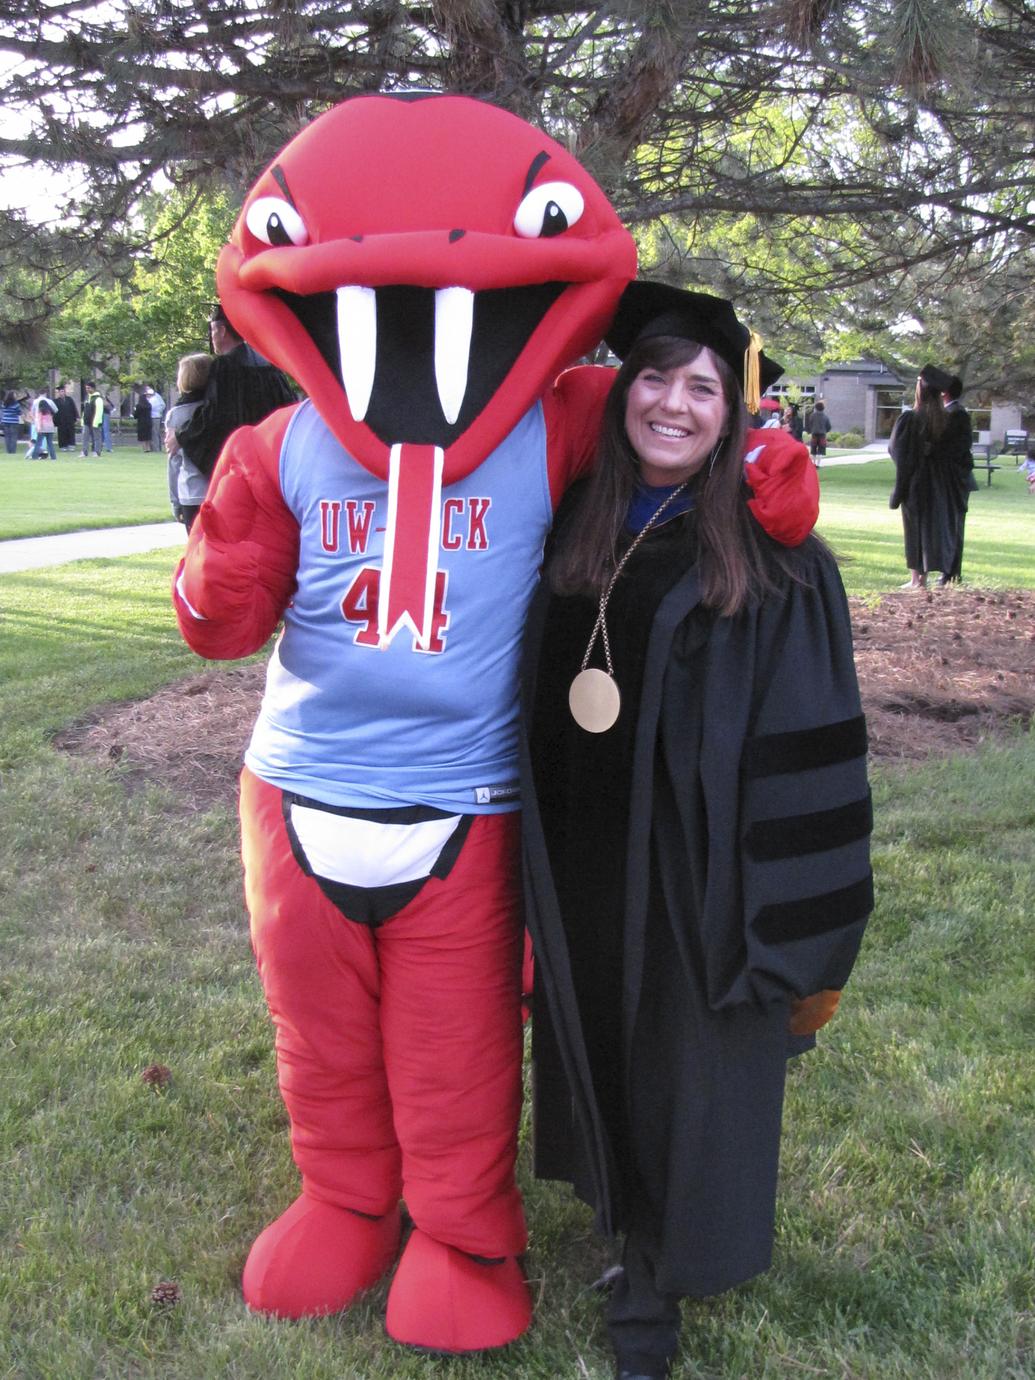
x=243, y=388
x=744, y=881
x=964, y=482
x=933, y=480
x=142, y=413
x=67, y=417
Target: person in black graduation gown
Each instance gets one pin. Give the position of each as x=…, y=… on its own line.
x=696, y=822
x=142, y=414
x=243, y=388
x=963, y=459
x=931, y=448
x=67, y=418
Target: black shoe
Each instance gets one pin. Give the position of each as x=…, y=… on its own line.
x=659, y=1370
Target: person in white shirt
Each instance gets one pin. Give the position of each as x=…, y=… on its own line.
x=157, y=404
x=44, y=410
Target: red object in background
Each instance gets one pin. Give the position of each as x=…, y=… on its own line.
x=769, y=405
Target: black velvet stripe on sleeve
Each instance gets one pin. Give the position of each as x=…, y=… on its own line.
x=814, y=915
x=805, y=748
x=769, y=840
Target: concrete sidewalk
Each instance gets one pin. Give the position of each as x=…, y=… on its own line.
x=858, y=457
x=33, y=553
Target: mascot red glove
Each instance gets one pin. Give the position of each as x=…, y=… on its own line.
x=424, y=266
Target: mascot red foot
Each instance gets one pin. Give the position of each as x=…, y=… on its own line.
x=424, y=266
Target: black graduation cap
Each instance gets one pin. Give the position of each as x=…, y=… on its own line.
x=648, y=309
x=938, y=379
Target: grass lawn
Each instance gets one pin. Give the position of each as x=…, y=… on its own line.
x=999, y=550
x=74, y=493
x=79, y=635
x=904, y=1236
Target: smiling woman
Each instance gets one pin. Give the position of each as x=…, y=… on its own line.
x=677, y=405
x=695, y=826
x=675, y=418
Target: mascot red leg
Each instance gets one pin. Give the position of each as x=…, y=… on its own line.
x=425, y=267
x=434, y=1022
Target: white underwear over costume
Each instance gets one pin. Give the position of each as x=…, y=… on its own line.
x=368, y=853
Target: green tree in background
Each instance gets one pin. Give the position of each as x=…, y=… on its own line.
x=126, y=330
x=92, y=338
x=843, y=145
x=174, y=288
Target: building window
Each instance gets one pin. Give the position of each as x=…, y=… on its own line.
x=980, y=408
x=981, y=419
x=890, y=402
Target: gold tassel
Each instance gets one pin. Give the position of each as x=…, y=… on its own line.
x=752, y=378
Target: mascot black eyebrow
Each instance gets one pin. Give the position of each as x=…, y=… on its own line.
x=424, y=266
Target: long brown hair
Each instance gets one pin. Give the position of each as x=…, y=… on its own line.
x=930, y=409
x=737, y=562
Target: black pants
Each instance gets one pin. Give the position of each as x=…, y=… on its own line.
x=643, y=1322
x=955, y=570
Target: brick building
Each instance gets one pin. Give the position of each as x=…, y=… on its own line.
x=865, y=396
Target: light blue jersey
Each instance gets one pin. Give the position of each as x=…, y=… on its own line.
x=349, y=723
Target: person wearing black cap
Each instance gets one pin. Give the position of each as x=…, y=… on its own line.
x=965, y=484
x=931, y=449
x=818, y=425
x=696, y=822
x=243, y=388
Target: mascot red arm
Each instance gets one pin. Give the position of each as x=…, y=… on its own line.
x=425, y=267
x=231, y=594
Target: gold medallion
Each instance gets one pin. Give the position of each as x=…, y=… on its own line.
x=594, y=700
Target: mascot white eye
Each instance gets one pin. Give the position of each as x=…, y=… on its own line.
x=548, y=210
x=276, y=222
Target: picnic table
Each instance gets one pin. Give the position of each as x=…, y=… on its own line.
x=988, y=464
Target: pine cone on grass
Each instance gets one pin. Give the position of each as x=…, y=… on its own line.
x=157, y=1076
x=166, y=1294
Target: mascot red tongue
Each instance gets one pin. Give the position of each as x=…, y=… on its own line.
x=424, y=266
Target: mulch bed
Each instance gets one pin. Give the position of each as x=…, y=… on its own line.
x=941, y=671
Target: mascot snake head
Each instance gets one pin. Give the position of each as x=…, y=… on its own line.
x=424, y=266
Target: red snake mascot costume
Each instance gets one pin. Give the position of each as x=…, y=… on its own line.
x=425, y=267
